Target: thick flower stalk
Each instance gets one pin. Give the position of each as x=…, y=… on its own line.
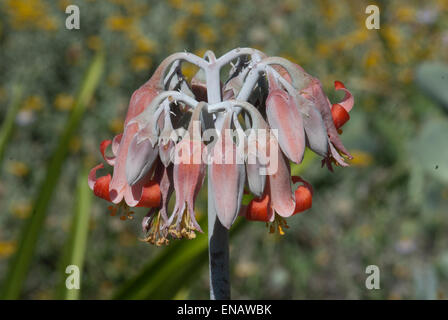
x=244, y=132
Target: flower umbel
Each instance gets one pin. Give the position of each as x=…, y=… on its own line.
x=245, y=131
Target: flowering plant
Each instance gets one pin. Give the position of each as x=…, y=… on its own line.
x=245, y=131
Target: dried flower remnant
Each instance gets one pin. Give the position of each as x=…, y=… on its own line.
x=262, y=117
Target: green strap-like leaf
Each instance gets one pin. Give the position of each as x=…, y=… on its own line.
x=75, y=248
x=21, y=261
x=8, y=123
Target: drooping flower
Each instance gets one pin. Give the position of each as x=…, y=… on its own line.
x=262, y=209
x=189, y=173
x=332, y=116
x=227, y=165
x=149, y=192
x=284, y=115
x=129, y=146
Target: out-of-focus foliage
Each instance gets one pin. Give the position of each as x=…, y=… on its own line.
x=432, y=77
x=31, y=230
x=389, y=209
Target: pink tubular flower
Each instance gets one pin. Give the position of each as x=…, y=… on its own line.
x=283, y=115
x=119, y=186
x=189, y=173
x=116, y=188
x=227, y=165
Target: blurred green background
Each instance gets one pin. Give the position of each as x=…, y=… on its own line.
x=389, y=209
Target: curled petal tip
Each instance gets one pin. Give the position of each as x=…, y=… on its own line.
x=340, y=115
x=348, y=100
x=100, y=186
x=92, y=175
x=338, y=85
x=103, y=146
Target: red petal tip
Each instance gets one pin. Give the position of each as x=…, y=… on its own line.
x=151, y=195
x=304, y=199
x=101, y=187
x=338, y=85
x=340, y=115
x=258, y=209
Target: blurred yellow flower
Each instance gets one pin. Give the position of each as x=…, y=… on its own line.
x=392, y=36
x=119, y=23
x=7, y=248
x=329, y=11
x=94, y=42
x=324, y=49
x=116, y=125
x=442, y=4
x=189, y=70
x=28, y=14
x=200, y=52
x=180, y=28
x=372, y=58
x=141, y=63
x=33, y=103
x=63, y=4
x=405, y=75
x=120, y=2
x=63, y=102
x=177, y=4
x=349, y=41
x=206, y=33
x=405, y=13
x=220, y=10
x=195, y=8
x=360, y=159
x=145, y=45
x=17, y=168
x=22, y=210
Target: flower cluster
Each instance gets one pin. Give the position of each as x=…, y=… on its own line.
x=245, y=131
